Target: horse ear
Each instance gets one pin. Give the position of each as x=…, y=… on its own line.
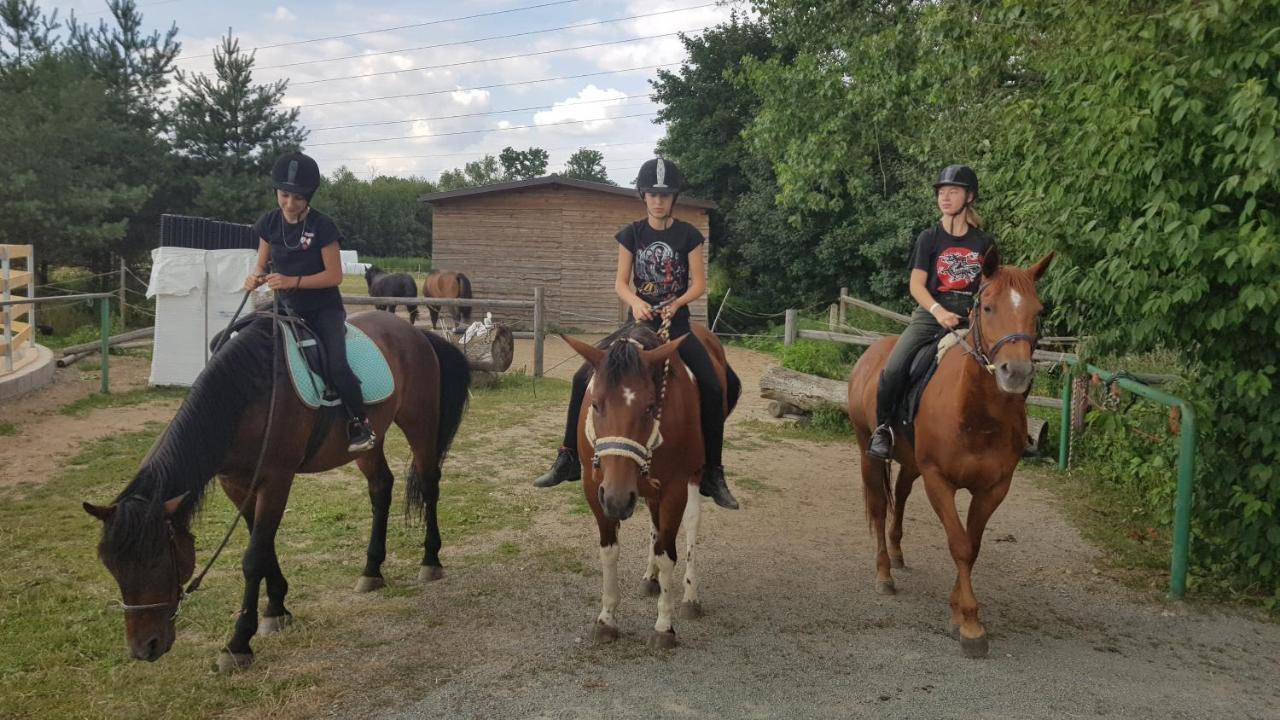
x=172, y=504
x=991, y=262
x=102, y=513
x=663, y=352
x=593, y=354
x=1038, y=269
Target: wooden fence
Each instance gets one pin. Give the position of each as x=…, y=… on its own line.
x=17, y=334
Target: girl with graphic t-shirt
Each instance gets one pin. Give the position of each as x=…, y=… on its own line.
x=662, y=258
x=302, y=246
x=946, y=269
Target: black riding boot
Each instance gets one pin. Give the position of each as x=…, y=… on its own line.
x=714, y=486
x=881, y=445
x=565, y=469
x=360, y=435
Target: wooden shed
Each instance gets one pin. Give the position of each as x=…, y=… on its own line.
x=552, y=232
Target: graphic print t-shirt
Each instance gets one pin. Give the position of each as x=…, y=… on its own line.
x=954, y=265
x=660, y=264
x=295, y=251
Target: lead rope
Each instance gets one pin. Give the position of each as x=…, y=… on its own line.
x=664, y=334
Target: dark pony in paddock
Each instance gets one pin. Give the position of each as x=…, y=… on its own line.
x=448, y=284
x=385, y=284
x=646, y=443
x=970, y=432
x=146, y=541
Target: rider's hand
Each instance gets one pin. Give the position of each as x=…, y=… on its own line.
x=253, y=281
x=946, y=318
x=276, y=281
x=641, y=310
x=668, y=311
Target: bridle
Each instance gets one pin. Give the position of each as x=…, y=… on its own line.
x=179, y=594
x=621, y=446
x=976, y=350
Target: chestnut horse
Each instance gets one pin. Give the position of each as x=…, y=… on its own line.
x=240, y=405
x=646, y=436
x=448, y=284
x=970, y=432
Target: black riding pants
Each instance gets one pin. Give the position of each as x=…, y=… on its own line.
x=922, y=330
x=328, y=323
x=710, y=394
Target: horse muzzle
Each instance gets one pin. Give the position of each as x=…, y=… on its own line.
x=1015, y=377
x=617, y=505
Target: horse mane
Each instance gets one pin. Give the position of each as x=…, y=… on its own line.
x=196, y=442
x=1011, y=277
x=623, y=358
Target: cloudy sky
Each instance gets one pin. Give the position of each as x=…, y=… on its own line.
x=415, y=88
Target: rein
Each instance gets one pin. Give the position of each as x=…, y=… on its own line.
x=975, y=328
x=640, y=453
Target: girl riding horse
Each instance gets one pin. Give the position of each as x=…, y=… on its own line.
x=946, y=269
x=662, y=258
x=302, y=244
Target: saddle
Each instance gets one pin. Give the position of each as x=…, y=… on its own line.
x=308, y=371
x=923, y=365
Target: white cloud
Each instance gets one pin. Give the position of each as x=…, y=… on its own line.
x=591, y=105
x=469, y=98
x=282, y=14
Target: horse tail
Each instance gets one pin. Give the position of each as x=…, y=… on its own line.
x=734, y=389
x=455, y=389
x=464, y=291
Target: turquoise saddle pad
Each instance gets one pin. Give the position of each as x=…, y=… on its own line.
x=366, y=361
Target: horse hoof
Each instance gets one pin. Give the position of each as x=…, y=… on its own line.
x=430, y=573
x=897, y=563
x=232, y=662
x=662, y=640
x=273, y=625
x=651, y=587
x=886, y=587
x=974, y=647
x=690, y=610
x=602, y=633
x=369, y=584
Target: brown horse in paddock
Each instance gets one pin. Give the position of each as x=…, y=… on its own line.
x=220, y=429
x=970, y=432
x=647, y=443
x=448, y=284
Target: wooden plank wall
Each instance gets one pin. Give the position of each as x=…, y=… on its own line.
x=559, y=238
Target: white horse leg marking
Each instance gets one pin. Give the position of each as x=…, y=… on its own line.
x=692, y=514
x=610, y=596
x=651, y=569
x=666, y=569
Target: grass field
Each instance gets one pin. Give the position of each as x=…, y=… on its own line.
x=64, y=643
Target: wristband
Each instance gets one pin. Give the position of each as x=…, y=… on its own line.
x=933, y=306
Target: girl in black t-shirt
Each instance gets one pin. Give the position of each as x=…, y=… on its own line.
x=946, y=269
x=663, y=259
x=302, y=246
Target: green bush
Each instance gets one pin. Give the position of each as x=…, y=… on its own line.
x=821, y=358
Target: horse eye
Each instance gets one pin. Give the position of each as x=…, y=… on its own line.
x=986, y=308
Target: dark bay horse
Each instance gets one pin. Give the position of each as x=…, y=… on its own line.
x=385, y=284
x=220, y=429
x=448, y=284
x=969, y=433
x=647, y=443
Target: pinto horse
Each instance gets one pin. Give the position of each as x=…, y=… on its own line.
x=645, y=433
x=448, y=284
x=970, y=432
x=384, y=284
x=241, y=404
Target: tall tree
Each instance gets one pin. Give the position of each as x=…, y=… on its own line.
x=484, y=171
x=587, y=164
x=523, y=164
x=230, y=130
x=26, y=33
x=381, y=216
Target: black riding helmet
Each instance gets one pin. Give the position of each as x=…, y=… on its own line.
x=960, y=176
x=296, y=173
x=659, y=176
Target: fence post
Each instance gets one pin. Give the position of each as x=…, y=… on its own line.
x=844, y=293
x=104, y=307
x=8, y=310
x=833, y=316
x=537, y=332
x=1064, y=430
x=122, y=296
x=789, y=332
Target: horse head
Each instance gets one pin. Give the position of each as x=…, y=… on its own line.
x=371, y=273
x=1004, y=322
x=148, y=549
x=622, y=417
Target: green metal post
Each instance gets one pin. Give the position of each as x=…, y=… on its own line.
x=104, y=308
x=1182, y=508
x=1064, y=430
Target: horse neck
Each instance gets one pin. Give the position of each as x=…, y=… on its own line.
x=981, y=399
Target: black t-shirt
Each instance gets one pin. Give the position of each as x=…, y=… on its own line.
x=954, y=265
x=295, y=251
x=660, y=259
